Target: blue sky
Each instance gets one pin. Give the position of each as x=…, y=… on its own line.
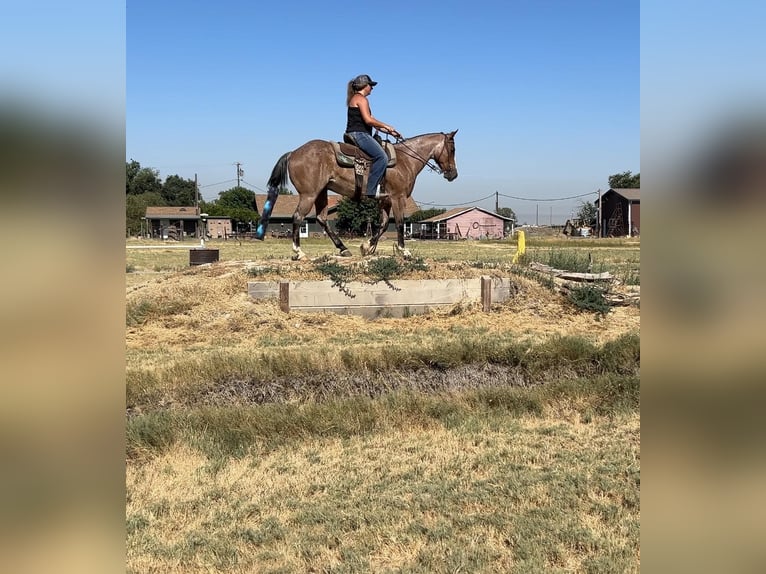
x=545, y=93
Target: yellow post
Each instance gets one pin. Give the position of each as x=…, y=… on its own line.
x=521, y=247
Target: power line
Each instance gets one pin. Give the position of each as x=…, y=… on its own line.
x=456, y=204
x=470, y=201
x=219, y=183
x=555, y=199
x=254, y=186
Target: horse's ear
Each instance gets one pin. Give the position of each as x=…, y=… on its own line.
x=452, y=135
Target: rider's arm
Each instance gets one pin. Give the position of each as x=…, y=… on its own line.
x=364, y=109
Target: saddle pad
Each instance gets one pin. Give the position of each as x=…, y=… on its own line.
x=345, y=153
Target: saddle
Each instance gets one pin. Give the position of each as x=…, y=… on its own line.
x=349, y=155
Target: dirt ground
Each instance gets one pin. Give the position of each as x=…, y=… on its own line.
x=208, y=306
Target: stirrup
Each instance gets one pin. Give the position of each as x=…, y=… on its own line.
x=378, y=194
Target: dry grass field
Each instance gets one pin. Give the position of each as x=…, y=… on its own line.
x=456, y=441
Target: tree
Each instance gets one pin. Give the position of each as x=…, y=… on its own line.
x=237, y=198
x=179, y=191
x=588, y=213
x=353, y=217
x=422, y=214
x=625, y=180
x=284, y=191
x=237, y=203
x=135, y=209
x=141, y=179
x=506, y=212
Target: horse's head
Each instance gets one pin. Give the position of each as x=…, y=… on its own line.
x=445, y=156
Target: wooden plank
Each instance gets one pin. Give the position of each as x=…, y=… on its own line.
x=571, y=275
x=284, y=296
x=486, y=294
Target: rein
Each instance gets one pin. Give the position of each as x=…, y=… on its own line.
x=412, y=153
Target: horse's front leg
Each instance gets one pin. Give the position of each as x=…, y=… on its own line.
x=398, y=205
x=400, y=249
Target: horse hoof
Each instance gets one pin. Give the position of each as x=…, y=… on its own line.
x=346, y=253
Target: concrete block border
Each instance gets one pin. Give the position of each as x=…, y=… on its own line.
x=399, y=299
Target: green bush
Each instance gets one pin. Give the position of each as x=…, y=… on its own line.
x=589, y=298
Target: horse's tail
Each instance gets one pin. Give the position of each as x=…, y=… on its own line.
x=279, y=173
x=278, y=179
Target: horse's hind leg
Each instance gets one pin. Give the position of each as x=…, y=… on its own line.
x=321, y=209
x=398, y=205
x=369, y=247
x=304, y=206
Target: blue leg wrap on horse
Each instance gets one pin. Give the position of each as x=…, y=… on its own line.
x=263, y=223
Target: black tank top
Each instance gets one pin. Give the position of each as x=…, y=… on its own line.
x=355, y=123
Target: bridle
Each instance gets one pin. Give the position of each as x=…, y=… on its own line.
x=426, y=161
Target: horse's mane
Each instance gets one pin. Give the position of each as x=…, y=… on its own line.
x=422, y=136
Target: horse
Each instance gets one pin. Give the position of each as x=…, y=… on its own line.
x=314, y=169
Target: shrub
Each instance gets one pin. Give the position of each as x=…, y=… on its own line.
x=589, y=298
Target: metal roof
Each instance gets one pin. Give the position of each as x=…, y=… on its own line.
x=629, y=194
x=171, y=212
x=460, y=210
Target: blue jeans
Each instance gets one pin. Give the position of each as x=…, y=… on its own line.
x=371, y=147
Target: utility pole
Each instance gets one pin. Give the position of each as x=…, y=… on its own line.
x=537, y=214
x=196, y=203
x=497, y=205
x=240, y=172
x=598, y=223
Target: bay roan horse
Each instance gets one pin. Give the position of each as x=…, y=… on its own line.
x=314, y=170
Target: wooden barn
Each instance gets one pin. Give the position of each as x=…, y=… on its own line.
x=164, y=222
x=465, y=223
x=620, y=213
x=281, y=221
x=173, y=222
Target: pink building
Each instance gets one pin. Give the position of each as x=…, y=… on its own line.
x=466, y=223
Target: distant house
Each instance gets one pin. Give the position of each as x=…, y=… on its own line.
x=620, y=212
x=219, y=227
x=465, y=223
x=172, y=222
x=282, y=213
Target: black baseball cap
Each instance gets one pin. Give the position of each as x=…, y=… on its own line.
x=362, y=81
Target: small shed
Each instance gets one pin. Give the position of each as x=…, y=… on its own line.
x=173, y=222
x=466, y=223
x=620, y=212
x=219, y=227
